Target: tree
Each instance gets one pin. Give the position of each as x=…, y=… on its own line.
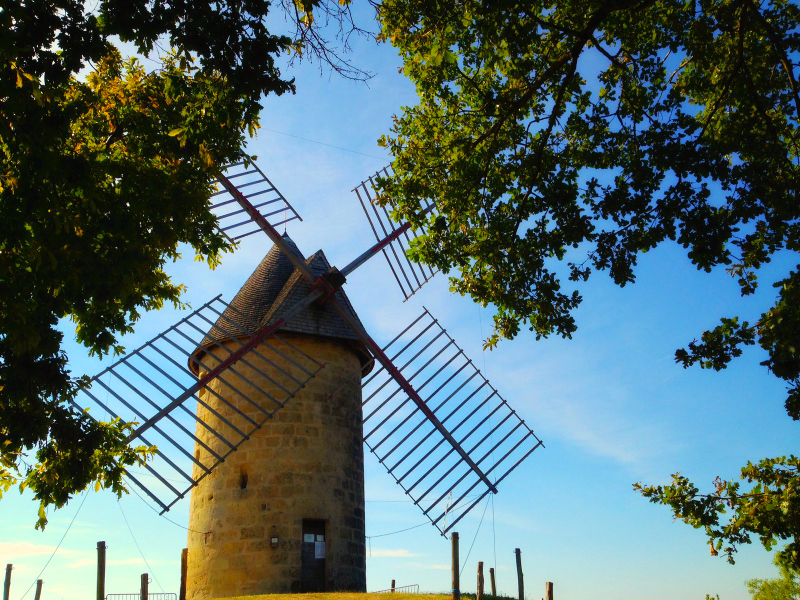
x=785, y=587
x=562, y=138
x=106, y=169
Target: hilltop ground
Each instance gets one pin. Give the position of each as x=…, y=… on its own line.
x=344, y=596
x=366, y=596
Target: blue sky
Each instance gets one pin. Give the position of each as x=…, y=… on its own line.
x=611, y=405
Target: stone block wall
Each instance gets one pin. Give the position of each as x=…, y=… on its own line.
x=307, y=462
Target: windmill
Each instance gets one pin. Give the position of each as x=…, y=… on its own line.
x=258, y=408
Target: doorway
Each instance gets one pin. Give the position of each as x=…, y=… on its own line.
x=312, y=567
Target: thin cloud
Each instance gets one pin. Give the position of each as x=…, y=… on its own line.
x=18, y=549
x=387, y=553
x=429, y=566
x=614, y=428
x=85, y=562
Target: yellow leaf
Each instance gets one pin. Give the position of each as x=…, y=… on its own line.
x=205, y=155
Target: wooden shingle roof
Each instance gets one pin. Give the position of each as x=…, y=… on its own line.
x=275, y=286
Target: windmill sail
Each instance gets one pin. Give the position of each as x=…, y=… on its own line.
x=431, y=418
x=440, y=448
x=414, y=452
x=410, y=276
x=262, y=194
x=166, y=386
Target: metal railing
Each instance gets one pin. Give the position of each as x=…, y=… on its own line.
x=137, y=596
x=400, y=589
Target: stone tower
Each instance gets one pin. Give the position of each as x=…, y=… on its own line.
x=300, y=478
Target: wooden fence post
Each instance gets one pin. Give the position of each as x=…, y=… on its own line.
x=548, y=590
x=7, y=584
x=479, y=595
x=38, y=595
x=455, y=561
x=520, y=583
x=101, y=570
x=491, y=577
x=143, y=593
x=184, y=569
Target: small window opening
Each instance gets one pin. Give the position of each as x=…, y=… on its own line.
x=243, y=478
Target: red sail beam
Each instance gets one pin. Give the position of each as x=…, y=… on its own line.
x=410, y=391
x=230, y=360
x=397, y=257
x=380, y=246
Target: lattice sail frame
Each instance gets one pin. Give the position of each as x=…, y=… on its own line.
x=397, y=253
x=156, y=378
x=414, y=452
x=260, y=191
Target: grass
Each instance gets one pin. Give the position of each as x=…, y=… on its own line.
x=360, y=596
x=344, y=596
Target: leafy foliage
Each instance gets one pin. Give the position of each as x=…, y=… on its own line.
x=558, y=139
x=770, y=509
x=784, y=587
x=106, y=169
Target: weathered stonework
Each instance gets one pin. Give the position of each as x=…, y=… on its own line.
x=305, y=463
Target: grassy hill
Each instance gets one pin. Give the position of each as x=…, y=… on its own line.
x=366, y=596
x=345, y=596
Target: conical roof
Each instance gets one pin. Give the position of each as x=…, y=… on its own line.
x=255, y=298
x=274, y=287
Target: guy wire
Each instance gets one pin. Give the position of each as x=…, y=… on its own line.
x=133, y=489
x=494, y=530
x=86, y=493
x=456, y=507
x=464, y=564
x=133, y=537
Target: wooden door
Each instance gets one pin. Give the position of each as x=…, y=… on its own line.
x=312, y=568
